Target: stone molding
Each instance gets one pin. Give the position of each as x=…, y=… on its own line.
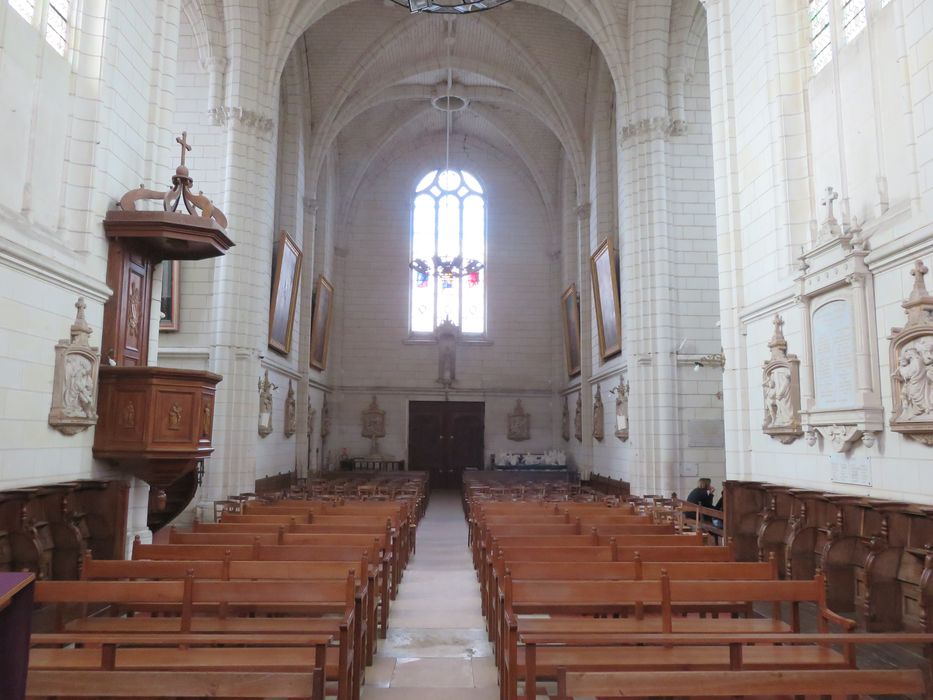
x=654, y=128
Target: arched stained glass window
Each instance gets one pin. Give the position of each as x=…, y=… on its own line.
x=448, y=232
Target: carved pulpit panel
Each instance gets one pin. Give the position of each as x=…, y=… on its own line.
x=912, y=364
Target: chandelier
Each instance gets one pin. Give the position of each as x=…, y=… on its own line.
x=449, y=7
x=446, y=269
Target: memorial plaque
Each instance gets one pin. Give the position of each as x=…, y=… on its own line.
x=706, y=433
x=854, y=470
x=834, y=356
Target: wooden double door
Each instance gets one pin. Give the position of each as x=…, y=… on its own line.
x=444, y=438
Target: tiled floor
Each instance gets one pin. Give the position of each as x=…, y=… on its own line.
x=436, y=647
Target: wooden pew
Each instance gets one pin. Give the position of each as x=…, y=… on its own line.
x=187, y=665
x=173, y=684
x=838, y=684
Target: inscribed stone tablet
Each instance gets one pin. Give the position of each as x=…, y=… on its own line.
x=834, y=356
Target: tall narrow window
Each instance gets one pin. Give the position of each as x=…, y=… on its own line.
x=26, y=8
x=56, y=28
x=854, y=18
x=448, y=223
x=820, y=34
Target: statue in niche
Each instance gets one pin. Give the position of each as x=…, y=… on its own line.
x=74, y=383
x=447, y=334
x=912, y=364
x=781, y=389
x=598, y=415
x=374, y=425
x=266, y=388
x=565, y=421
x=621, y=393
x=325, y=419
x=291, y=411
x=578, y=418
x=519, y=423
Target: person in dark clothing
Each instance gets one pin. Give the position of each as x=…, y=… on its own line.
x=702, y=495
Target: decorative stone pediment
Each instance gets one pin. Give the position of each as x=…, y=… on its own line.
x=780, y=382
x=74, y=384
x=599, y=417
x=266, y=388
x=291, y=411
x=622, y=393
x=565, y=421
x=912, y=364
x=519, y=423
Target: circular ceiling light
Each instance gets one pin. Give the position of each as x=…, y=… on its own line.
x=450, y=7
x=449, y=103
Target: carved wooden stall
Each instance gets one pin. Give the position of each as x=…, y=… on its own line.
x=155, y=422
x=46, y=529
x=875, y=554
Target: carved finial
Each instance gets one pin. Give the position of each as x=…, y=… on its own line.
x=778, y=343
x=80, y=329
x=831, y=196
x=185, y=148
x=919, y=305
x=919, y=274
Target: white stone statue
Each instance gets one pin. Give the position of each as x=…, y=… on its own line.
x=780, y=383
x=598, y=415
x=447, y=334
x=780, y=412
x=291, y=411
x=578, y=419
x=266, y=388
x=74, y=383
x=912, y=364
x=621, y=393
x=565, y=421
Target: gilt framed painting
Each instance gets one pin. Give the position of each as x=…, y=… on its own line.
x=605, y=277
x=168, y=311
x=321, y=319
x=286, y=275
x=570, y=322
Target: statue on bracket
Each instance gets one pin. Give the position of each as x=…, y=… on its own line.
x=74, y=383
x=578, y=418
x=325, y=419
x=912, y=364
x=519, y=423
x=599, y=429
x=447, y=334
x=621, y=393
x=266, y=388
x=312, y=414
x=781, y=385
x=374, y=425
x=565, y=421
x=291, y=411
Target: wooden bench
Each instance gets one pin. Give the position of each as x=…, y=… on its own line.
x=90, y=665
x=191, y=598
x=837, y=684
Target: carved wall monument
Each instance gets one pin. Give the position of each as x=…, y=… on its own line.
x=565, y=421
x=912, y=364
x=519, y=423
x=781, y=388
x=578, y=419
x=447, y=335
x=265, y=405
x=325, y=419
x=621, y=393
x=291, y=411
x=599, y=418
x=374, y=425
x=74, y=384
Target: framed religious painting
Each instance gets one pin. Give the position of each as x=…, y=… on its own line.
x=321, y=319
x=168, y=316
x=570, y=322
x=286, y=274
x=605, y=275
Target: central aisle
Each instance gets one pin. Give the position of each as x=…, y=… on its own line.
x=436, y=647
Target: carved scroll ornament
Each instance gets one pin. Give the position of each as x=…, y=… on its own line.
x=74, y=383
x=780, y=381
x=519, y=423
x=912, y=364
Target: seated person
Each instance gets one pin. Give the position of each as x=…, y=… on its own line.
x=702, y=495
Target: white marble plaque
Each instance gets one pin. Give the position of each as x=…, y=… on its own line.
x=834, y=356
x=706, y=433
x=851, y=470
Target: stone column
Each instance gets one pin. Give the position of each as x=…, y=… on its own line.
x=308, y=282
x=587, y=323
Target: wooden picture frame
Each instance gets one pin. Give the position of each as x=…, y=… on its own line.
x=286, y=275
x=605, y=277
x=321, y=320
x=570, y=323
x=170, y=304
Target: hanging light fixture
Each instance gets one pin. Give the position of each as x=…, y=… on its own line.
x=447, y=102
x=450, y=7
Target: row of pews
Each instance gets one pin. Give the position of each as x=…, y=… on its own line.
x=282, y=599
x=608, y=599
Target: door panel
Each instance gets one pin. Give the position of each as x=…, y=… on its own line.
x=444, y=438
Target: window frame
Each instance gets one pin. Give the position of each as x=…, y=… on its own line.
x=42, y=9
x=428, y=336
